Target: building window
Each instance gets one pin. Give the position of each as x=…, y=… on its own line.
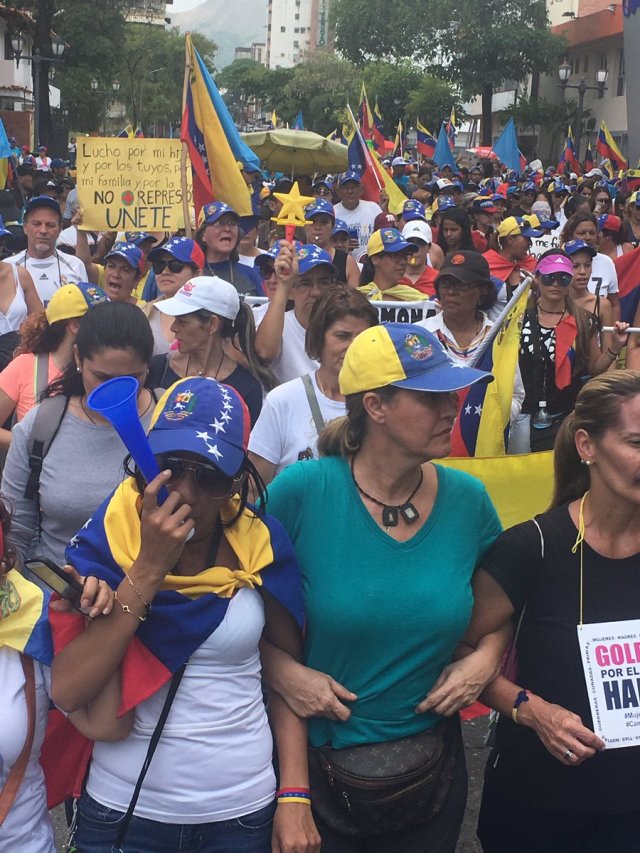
x=296, y=44
x=283, y=29
x=297, y=16
x=620, y=84
x=296, y=29
x=585, y=63
x=303, y=29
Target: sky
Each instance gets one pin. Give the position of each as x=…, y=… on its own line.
x=183, y=5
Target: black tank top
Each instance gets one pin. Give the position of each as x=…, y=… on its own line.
x=340, y=263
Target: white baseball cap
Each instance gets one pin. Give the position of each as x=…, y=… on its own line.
x=418, y=229
x=399, y=161
x=203, y=293
x=441, y=183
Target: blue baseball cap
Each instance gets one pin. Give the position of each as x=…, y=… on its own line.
x=445, y=202
x=406, y=356
x=214, y=210
x=57, y=163
x=4, y=231
x=529, y=187
x=340, y=227
x=199, y=415
x=42, y=201
x=138, y=237
x=323, y=182
x=320, y=205
x=388, y=240
x=573, y=246
x=514, y=191
x=413, y=209
x=559, y=187
x=310, y=257
x=182, y=249
x=349, y=176
x=130, y=253
x=273, y=253
x=481, y=204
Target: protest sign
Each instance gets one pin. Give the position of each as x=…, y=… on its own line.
x=539, y=245
x=130, y=184
x=388, y=312
x=611, y=660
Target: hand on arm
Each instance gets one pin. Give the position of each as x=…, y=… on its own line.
x=308, y=693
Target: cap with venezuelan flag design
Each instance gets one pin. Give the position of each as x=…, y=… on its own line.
x=406, y=356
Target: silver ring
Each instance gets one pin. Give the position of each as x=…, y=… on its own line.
x=568, y=755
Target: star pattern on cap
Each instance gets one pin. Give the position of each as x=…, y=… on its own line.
x=218, y=424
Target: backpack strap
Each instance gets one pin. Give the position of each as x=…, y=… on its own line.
x=41, y=375
x=16, y=774
x=46, y=424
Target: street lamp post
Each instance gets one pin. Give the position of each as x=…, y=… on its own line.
x=57, y=47
x=564, y=73
x=113, y=91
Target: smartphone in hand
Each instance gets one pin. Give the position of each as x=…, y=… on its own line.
x=56, y=579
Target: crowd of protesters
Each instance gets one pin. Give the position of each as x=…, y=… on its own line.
x=282, y=626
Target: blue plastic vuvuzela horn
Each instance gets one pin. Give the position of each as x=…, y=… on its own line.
x=117, y=401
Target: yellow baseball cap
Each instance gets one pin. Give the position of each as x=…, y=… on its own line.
x=73, y=300
x=388, y=240
x=404, y=355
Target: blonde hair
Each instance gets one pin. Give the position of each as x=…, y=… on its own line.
x=344, y=436
x=597, y=410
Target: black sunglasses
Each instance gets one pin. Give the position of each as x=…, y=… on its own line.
x=561, y=278
x=208, y=478
x=174, y=266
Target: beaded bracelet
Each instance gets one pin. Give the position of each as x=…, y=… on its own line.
x=294, y=795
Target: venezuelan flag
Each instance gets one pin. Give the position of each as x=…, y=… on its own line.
x=484, y=411
x=365, y=116
x=628, y=269
x=126, y=132
x=378, y=128
x=426, y=141
x=607, y=148
x=213, y=141
x=366, y=163
x=24, y=625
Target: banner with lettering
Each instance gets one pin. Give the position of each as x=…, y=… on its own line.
x=130, y=184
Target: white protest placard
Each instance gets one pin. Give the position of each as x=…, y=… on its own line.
x=388, y=312
x=539, y=245
x=611, y=660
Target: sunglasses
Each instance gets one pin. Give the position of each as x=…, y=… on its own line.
x=456, y=286
x=561, y=278
x=173, y=265
x=208, y=478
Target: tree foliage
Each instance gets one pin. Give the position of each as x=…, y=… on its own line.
x=392, y=85
x=321, y=87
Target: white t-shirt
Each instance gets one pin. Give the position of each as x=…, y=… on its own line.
x=293, y=360
x=27, y=827
x=362, y=217
x=50, y=273
x=604, y=278
x=213, y=760
x=285, y=430
x=69, y=237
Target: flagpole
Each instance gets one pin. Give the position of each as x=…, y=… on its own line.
x=186, y=212
x=367, y=153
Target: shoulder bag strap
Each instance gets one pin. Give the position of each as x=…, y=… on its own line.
x=153, y=743
x=312, y=399
x=16, y=775
x=41, y=379
x=44, y=429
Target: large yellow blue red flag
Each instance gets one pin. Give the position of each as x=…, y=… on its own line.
x=23, y=617
x=213, y=141
x=484, y=413
x=607, y=148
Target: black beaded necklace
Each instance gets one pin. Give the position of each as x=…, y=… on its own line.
x=391, y=513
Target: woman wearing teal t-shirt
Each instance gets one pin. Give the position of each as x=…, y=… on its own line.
x=388, y=543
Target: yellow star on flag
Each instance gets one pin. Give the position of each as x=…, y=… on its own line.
x=293, y=205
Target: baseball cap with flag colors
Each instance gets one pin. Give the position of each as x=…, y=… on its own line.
x=406, y=356
x=388, y=240
x=516, y=226
x=199, y=415
x=73, y=300
x=182, y=249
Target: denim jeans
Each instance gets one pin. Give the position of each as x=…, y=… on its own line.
x=97, y=829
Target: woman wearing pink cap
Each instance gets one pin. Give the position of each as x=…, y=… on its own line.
x=558, y=349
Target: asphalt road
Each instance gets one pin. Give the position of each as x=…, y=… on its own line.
x=476, y=754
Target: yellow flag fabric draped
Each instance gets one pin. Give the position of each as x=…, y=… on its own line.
x=519, y=486
x=496, y=408
x=204, y=128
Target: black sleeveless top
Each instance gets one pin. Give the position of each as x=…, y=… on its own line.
x=340, y=263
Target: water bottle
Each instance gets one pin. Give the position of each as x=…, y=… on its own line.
x=542, y=418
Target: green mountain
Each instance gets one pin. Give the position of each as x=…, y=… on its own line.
x=229, y=25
